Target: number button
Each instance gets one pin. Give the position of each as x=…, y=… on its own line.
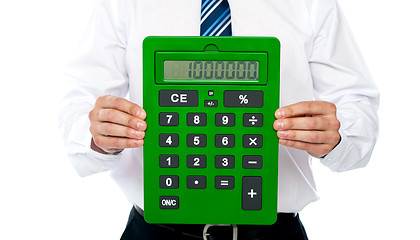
x=168, y=161
x=196, y=140
x=196, y=119
x=196, y=161
x=225, y=119
x=225, y=161
x=168, y=181
x=225, y=140
x=168, y=119
x=168, y=140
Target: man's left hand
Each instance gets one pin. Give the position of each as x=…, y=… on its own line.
x=310, y=126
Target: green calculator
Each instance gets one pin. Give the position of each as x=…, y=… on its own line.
x=210, y=152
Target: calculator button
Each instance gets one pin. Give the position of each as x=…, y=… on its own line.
x=211, y=93
x=224, y=182
x=196, y=140
x=196, y=161
x=168, y=119
x=168, y=202
x=252, y=141
x=178, y=98
x=196, y=182
x=168, y=181
x=196, y=119
x=168, y=140
x=225, y=140
x=243, y=99
x=253, y=120
x=251, y=193
x=225, y=119
x=225, y=161
x=252, y=162
x=210, y=103
x=168, y=161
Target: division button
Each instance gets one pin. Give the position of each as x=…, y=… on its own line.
x=224, y=182
x=168, y=202
x=253, y=120
x=253, y=99
x=196, y=182
x=251, y=193
x=178, y=98
x=252, y=162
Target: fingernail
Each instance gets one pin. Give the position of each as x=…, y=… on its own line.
x=138, y=124
x=280, y=125
x=138, y=113
x=139, y=134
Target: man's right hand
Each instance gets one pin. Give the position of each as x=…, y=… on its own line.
x=116, y=124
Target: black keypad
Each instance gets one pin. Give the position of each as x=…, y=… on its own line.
x=196, y=182
x=224, y=182
x=196, y=161
x=225, y=140
x=169, y=202
x=168, y=119
x=168, y=140
x=252, y=141
x=251, y=193
x=253, y=120
x=252, y=162
x=196, y=140
x=178, y=98
x=225, y=119
x=225, y=161
x=168, y=181
x=196, y=119
x=169, y=161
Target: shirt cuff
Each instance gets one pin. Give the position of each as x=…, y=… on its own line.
x=333, y=158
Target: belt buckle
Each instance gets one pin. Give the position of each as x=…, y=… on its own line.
x=206, y=228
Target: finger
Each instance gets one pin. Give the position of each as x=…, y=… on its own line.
x=115, y=130
x=116, y=143
x=316, y=150
x=122, y=105
x=329, y=137
x=306, y=108
x=122, y=118
x=306, y=123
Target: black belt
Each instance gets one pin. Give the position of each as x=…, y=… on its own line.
x=202, y=231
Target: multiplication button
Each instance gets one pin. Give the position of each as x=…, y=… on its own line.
x=252, y=141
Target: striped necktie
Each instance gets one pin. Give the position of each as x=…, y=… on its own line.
x=215, y=18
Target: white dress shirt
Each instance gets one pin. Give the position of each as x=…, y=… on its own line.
x=319, y=61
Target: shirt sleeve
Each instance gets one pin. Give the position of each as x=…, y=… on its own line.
x=97, y=69
x=340, y=76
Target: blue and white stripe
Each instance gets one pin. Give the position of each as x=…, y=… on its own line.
x=215, y=18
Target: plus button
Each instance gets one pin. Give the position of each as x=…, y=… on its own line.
x=252, y=193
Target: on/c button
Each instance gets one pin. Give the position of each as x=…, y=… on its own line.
x=169, y=202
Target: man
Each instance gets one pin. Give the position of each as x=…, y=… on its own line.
x=328, y=98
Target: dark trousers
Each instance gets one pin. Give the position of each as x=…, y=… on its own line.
x=287, y=227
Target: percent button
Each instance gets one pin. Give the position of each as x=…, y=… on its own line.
x=250, y=99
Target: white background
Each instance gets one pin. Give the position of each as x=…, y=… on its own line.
x=41, y=197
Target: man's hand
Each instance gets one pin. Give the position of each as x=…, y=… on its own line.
x=309, y=126
x=116, y=124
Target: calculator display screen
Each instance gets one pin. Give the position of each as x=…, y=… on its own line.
x=211, y=70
